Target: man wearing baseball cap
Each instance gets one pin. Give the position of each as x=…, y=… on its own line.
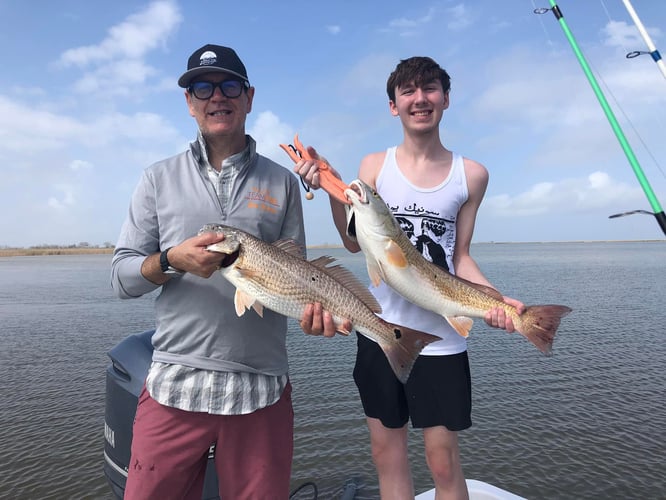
x=215, y=377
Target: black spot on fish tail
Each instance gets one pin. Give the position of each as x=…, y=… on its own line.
x=402, y=352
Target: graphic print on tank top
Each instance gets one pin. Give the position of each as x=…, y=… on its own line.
x=431, y=234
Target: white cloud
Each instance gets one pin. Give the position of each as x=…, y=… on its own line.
x=455, y=18
x=550, y=116
x=620, y=34
x=119, y=62
x=26, y=129
x=626, y=36
x=571, y=195
x=80, y=165
x=65, y=200
x=269, y=132
x=142, y=126
x=117, y=78
x=333, y=29
x=410, y=26
x=132, y=39
x=458, y=17
x=29, y=129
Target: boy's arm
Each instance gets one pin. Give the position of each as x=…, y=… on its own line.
x=465, y=266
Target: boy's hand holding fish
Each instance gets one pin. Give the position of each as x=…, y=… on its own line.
x=497, y=317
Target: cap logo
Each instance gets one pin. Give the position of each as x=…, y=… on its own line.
x=207, y=58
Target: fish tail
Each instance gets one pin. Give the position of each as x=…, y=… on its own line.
x=539, y=324
x=402, y=354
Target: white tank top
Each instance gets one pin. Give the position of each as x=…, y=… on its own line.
x=428, y=216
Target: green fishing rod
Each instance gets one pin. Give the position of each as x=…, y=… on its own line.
x=658, y=212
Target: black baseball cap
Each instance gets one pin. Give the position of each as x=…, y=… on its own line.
x=212, y=58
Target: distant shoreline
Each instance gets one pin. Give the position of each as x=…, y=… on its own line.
x=31, y=252
x=27, y=252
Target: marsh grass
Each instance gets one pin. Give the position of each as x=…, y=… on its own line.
x=19, y=252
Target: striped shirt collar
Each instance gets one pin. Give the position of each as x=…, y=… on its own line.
x=237, y=161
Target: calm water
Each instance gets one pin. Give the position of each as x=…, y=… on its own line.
x=588, y=422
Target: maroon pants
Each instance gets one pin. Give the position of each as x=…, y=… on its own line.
x=170, y=450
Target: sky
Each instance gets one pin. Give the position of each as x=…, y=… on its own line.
x=88, y=99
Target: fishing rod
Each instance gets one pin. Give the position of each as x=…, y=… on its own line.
x=657, y=211
x=656, y=56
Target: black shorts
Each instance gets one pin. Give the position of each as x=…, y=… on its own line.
x=438, y=391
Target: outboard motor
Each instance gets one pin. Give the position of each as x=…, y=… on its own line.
x=125, y=376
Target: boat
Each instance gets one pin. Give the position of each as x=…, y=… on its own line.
x=478, y=490
x=130, y=360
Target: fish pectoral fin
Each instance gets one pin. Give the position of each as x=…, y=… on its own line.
x=248, y=274
x=461, y=324
x=244, y=301
x=395, y=255
x=374, y=273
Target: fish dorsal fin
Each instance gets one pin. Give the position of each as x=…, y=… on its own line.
x=292, y=247
x=322, y=262
x=347, y=279
x=352, y=283
x=461, y=324
x=395, y=255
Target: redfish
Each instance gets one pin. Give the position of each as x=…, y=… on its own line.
x=391, y=257
x=278, y=277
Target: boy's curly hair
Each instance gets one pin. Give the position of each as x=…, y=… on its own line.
x=421, y=71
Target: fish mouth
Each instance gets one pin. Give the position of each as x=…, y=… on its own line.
x=356, y=193
x=229, y=246
x=230, y=254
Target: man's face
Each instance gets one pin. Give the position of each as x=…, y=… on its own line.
x=420, y=107
x=220, y=115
